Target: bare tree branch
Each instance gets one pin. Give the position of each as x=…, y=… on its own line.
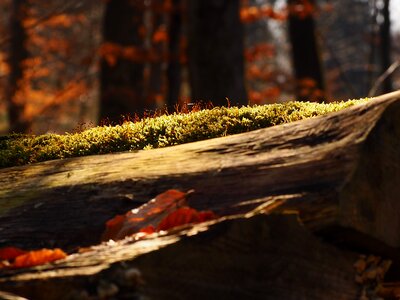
x=393, y=67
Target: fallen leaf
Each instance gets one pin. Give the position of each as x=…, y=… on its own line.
x=38, y=257
x=9, y=253
x=148, y=214
x=181, y=216
x=148, y=229
x=185, y=215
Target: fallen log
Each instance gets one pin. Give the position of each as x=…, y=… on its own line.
x=340, y=172
x=341, y=169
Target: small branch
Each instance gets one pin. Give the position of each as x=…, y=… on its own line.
x=393, y=67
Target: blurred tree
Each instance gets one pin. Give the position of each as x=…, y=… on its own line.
x=215, y=52
x=156, y=42
x=17, y=55
x=385, y=46
x=305, y=54
x=174, y=65
x=122, y=64
x=51, y=64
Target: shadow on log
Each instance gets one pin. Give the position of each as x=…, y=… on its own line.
x=340, y=172
x=247, y=257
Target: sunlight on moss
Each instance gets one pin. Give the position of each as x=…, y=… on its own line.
x=158, y=132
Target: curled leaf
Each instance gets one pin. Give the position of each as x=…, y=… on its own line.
x=146, y=215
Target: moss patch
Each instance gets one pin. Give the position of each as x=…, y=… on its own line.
x=158, y=132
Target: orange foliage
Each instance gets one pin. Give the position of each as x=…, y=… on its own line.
x=41, y=100
x=308, y=88
x=65, y=20
x=259, y=51
x=185, y=215
x=53, y=80
x=112, y=52
x=255, y=13
x=8, y=253
x=302, y=9
x=166, y=211
x=269, y=94
x=147, y=214
x=38, y=257
x=4, y=67
x=254, y=72
x=160, y=35
x=12, y=257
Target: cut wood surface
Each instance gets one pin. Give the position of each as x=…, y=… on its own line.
x=339, y=172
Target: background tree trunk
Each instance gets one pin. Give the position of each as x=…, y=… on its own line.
x=174, y=65
x=215, y=52
x=18, y=54
x=122, y=75
x=385, y=46
x=305, y=54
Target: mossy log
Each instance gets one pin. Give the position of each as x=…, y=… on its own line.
x=339, y=172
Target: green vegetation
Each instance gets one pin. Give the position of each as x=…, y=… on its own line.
x=163, y=131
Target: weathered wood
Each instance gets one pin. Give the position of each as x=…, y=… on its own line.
x=342, y=169
x=340, y=172
x=245, y=257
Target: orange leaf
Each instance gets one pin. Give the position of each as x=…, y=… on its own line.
x=207, y=215
x=148, y=229
x=38, y=257
x=181, y=216
x=185, y=215
x=114, y=225
x=8, y=253
x=148, y=214
x=160, y=35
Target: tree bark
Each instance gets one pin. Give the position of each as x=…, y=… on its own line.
x=122, y=76
x=305, y=54
x=174, y=65
x=18, y=54
x=215, y=52
x=385, y=46
x=339, y=172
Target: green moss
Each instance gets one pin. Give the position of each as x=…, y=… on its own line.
x=158, y=132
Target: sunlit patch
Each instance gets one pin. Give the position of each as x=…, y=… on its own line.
x=161, y=131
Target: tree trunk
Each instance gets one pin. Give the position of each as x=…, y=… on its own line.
x=122, y=72
x=174, y=66
x=305, y=54
x=385, y=45
x=340, y=173
x=215, y=52
x=156, y=78
x=18, y=54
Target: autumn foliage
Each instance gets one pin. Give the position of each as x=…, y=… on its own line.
x=12, y=257
x=166, y=211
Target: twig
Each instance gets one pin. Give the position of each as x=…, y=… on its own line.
x=393, y=67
